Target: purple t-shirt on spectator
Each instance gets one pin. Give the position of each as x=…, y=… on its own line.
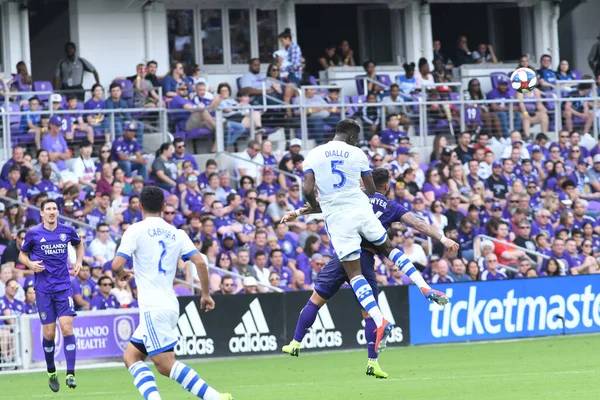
x=391, y=137
x=124, y=146
x=495, y=94
x=536, y=229
x=99, y=302
x=178, y=103
x=288, y=246
x=85, y=289
x=486, y=275
x=20, y=187
x=285, y=275
x=269, y=190
x=56, y=145
x=95, y=217
x=92, y=104
x=437, y=192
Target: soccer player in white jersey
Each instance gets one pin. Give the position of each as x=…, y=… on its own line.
x=335, y=170
x=156, y=247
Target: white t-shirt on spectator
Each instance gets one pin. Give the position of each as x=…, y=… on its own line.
x=262, y=276
x=417, y=254
x=506, y=152
x=105, y=250
x=85, y=169
x=252, y=170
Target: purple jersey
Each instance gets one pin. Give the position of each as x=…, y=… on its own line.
x=391, y=138
x=50, y=247
x=16, y=307
x=95, y=217
x=85, y=289
x=536, y=229
x=56, y=145
x=191, y=201
x=30, y=308
x=186, y=157
x=270, y=161
x=180, y=118
x=285, y=275
x=124, y=146
x=488, y=276
x=288, y=246
x=50, y=188
x=19, y=186
x=268, y=190
x=99, y=302
x=388, y=212
x=92, y=104
x=130, y=217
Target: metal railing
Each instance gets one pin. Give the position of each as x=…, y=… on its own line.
x=10, y=342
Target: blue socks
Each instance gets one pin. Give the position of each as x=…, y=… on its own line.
x=364, y=294
x=48, y=346
x=190, y=381
x=306, y=319
x=144, y=381
x=70, y=347
x=371, y=336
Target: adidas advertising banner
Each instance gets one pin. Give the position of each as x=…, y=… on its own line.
x=339, y=324
x=507, y=309
x=259, y=324
x=239, y=325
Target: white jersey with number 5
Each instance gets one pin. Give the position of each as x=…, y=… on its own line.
x=155, y=247
x=338, y=167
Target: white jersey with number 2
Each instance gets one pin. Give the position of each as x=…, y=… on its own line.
x=155, y=247
x=338, y=168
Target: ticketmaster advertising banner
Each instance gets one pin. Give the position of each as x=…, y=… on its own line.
x=507, y=309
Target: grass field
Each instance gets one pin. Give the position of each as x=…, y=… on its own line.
x=549, y=368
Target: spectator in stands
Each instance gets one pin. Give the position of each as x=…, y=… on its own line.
x=83, y=288
x=317, y=113
x=489, y=119
x=126, y=150
x=438, y=55
x=233, y=127
x=408, y=81
x=22, y=81
x=276, y=265
x=104, y=300
x=122, y=117
x=164, y=170
x=473, y=271
x=328, y=59
x=507, y=255
x=434, y=186
x=442, y=275
x=458, y=271
x=104, y=184
x=252, y=160
x=462, y=54
x=32, y=123
x=249, y=285
x=251, y=83
x=371, y=115
x=546, y=75
x=533, y=112
x=191, y=197
x=98, y=121
x=491, y=271
x=424, y=78
x=18, y=159
x=226, y=286
x=69, y=72
x=180, y=156
x=103, y=247
x=123, y=294
x=83, y=166
x=374, y=82
x=440, y=74
x=294, y=60
x=30, y=304
x=133, y=213
x=14, y=183
x=104, y=157
x=564, y=74
x=345, y=56
x=501, y=109
x=151, y=74
x=76, y=120
x=484, y=54
x=579, y=109
x=174, y=79
x=118, y=202
x=58, y=151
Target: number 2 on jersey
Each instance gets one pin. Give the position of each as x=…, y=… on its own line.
x=162, y=255
x=334, y=170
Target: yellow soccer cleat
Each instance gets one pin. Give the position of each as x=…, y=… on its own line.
x=293, y=349
x=373, y=369
x=225, y=396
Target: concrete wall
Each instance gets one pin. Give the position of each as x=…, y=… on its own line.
x=582, y=27
x=111, y=37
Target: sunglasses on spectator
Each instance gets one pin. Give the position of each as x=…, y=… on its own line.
x=294, y=189
x=78, y=216
x=239, y=213
x=275, y=70
x=169, y=212
x=563, y=136
x=252, y=198
x=587, y=245
x=14, y=286
x=525, y=227
x=377, y=159
x=104, y=231
x=105, y=151
x=454, y=198
x=514, y=201
x=256, y=149
x=554, y=151
x=575, y=151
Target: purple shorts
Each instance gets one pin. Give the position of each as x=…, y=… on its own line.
x=52, y=306
x=333, y=275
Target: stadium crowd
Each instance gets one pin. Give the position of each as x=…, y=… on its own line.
x=536, y=198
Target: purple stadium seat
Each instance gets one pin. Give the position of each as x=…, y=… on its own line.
x=383, y=78
x=2, y=248
x=238, y=81
x=181, y=291
x=576, y=74
x=43, y=86
x=494, y=76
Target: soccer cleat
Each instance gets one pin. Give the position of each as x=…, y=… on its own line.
x=373, y=369
x=225, y=396
x=383, y=332
x=71, y=381
x=53, y=382
x=435, y=296
x=293, y=349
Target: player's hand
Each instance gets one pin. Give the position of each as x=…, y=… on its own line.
x=75, y=269
x=289, y=216
x=452, y=247
x=207, y=303
x=126, y=275
x=36, y=266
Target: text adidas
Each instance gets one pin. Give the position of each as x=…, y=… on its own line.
x=194, y=346
x=320, y=338
x=252, y=343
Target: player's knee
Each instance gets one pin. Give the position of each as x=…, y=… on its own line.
x=317, y=300
x=164, y=368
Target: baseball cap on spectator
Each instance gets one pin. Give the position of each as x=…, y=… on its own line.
x=569, y=167
x=496, y=206
x=516, y=142
x=535, y=148
x=182, y=85
x=447, y=151
x=55, y=98
x=266, y=170
x=238, y=209
x=228, y=235
x=443, y=88
x=55, y=120
x=497, y=163
x=596, y=158
x=402, y=150
x=434, y=257
x=295, y=142
x=404, y=139
x=502, y=79
x=249, y=281
x=561, y=175
x=137, y=178
x=567, y=202
x=96, y=264
x=489, y=199
x=312, y=221
x=418, y=199
x=196, y=239
x=554, y=145
x=90, y=196
x=316, y=257
x=322, y=231
x=583, y=161
x=130, y=126
x=525, y=161
x=69, y=204
x=2, y=207
x=281, y=192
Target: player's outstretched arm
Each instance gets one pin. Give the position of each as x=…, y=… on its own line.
x=118, y=267
x=309, y=190
x=206, y=301
x=369, y=184
x=417, y=223
x=304, y=210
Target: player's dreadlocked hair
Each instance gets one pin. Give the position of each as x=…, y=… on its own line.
x=381, y=177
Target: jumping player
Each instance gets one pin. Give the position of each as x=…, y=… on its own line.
x=44, y=251
x=333, y=276
x=156, y=247
x=336, y=169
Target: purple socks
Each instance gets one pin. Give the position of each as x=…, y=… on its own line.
x=371, y=336
x=48, y=346
x=70, y=353
x=306, y=320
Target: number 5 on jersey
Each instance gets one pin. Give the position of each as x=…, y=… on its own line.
x=334, y=170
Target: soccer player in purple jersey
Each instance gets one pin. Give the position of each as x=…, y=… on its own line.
x=333, y=276
x=44, y=251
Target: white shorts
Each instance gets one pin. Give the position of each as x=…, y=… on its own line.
x=347, y=229
x=157, y=331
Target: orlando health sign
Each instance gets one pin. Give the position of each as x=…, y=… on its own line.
x=507, y=309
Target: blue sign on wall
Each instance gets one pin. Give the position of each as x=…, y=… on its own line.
x=507, y=309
